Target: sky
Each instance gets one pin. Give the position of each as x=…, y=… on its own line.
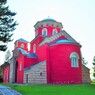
x=77, y=17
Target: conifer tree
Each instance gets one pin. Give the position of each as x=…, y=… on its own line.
x=93, y=66
x=84, y=62
x=7, y=25
x=7, y=55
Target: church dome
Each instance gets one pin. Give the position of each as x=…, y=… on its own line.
x=49, y=19
x=49, y=22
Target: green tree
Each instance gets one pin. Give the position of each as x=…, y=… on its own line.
x=7, y=55
x=7, y=25
x=93, y=66
x=84, y=62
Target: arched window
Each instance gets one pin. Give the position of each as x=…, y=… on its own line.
x=7, y=74
x=74, y=59
x=41, y=74
x=34, y=48
x=44, y=32
x=54, y=31
x=22, y=45
x=20, y=67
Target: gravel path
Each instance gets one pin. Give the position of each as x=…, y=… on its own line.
x=8, y=91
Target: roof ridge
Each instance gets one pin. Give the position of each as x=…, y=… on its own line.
x=50, y=39
x=63, y=32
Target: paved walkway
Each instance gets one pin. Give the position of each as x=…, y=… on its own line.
x=8, y=91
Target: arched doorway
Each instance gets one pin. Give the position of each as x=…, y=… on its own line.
x=16, y=71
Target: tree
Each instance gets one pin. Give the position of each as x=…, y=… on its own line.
x=93, y=66
x=84, y=62
x=7, y=56
x=7, y=25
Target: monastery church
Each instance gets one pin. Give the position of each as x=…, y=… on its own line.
x=54, y=58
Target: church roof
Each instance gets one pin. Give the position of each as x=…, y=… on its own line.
x=22, y=40
x=31, y=55
x=58, y=35
x=85, y=67
x=27, y=68
x=49, y=19
x=27, y=53
x=62, y=41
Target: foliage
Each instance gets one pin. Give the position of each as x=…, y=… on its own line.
x=84, y=62
x=7, y=25
x=79, y=89
x=93, y=66
x=94, y=74
x=7, y=56
x=93, y=60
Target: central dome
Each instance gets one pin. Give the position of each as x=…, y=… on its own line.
x=47, y=27
x=48, y=19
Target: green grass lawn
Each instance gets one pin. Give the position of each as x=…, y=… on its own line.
x=82, y=89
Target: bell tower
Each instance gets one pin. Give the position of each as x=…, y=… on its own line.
x=47, y=27
x=21, y=43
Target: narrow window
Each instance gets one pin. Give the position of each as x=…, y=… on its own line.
x=20, y=66
x=34, y=48
x=40, y=73
x=44, y=32
x=7, y=75
x=54, y=31
x=22, y=45
x=26, y=78
x=83, y=75
x=74, y=59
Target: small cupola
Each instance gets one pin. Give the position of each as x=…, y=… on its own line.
x=21, y=43
x=47, y=27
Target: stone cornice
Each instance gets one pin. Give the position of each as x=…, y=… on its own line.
x=49, y=23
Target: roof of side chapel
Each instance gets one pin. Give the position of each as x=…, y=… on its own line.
x=32, y=55
x=22, y=40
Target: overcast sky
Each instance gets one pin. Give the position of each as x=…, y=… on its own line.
x=77, y=17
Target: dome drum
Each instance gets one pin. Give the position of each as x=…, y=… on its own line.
x=48, y=23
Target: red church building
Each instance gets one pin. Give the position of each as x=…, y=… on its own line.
x=54, y=57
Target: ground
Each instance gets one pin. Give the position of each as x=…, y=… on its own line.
x=78, y=89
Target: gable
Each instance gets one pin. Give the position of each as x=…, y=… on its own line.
x=63, y=34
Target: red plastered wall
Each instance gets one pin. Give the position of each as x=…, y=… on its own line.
x=60, y=62
x=42, y=52
x=19, y=45
x=29, y=61
x=36, y=41
x=6, y=74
